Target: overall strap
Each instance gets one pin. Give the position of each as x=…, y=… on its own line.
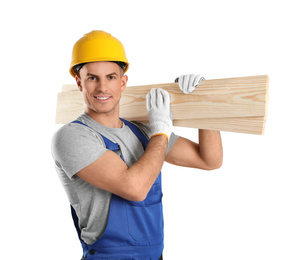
x=109, y=144
x=139, y=134
x=114, y=146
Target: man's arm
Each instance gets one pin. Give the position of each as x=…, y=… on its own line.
x=110, y=173
x=206, y=155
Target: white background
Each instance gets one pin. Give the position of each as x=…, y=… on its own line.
x=248, y=209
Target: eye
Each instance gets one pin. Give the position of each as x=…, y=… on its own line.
x=91, y=78
x=111, y=77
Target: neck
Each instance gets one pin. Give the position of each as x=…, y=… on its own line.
x=106, y=120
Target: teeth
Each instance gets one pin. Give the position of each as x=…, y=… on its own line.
x=102, y=98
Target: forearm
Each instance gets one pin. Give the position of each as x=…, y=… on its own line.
x=145, y=171
x=210, y=148
x=109, y=172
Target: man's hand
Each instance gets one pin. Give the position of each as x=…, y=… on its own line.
x=159, y=114
x=187, y=83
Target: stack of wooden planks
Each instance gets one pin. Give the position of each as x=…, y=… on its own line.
x=231, y=104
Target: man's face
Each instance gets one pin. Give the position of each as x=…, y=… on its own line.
x=101, y=83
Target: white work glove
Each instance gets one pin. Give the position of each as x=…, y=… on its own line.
x=187, y=83
x=159, y=114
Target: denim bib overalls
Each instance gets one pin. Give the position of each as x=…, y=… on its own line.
x=134, y=230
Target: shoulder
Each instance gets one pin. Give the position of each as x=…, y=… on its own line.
x=75, y=146
x=72, y=132
x=73, y=137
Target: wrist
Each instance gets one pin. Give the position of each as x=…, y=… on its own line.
x=159, y=136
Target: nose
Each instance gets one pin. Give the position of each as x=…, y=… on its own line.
x=102, y=85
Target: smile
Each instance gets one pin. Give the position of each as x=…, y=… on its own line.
x=102, y=98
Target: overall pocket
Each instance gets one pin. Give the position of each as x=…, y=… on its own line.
x=145, y=219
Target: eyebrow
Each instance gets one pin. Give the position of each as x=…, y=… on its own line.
x=113, y=73
x=90, y=74
x=110, y=74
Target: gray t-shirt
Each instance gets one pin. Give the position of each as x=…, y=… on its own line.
x=75, y=146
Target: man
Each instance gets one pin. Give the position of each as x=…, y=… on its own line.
x=109, y=167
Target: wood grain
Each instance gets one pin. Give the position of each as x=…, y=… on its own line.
x=232, y=104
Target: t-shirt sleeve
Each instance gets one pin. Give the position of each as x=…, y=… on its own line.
x=76, y=146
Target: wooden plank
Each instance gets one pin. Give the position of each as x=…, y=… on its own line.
x=233, y=104
x=69, y=87
x=248, y=125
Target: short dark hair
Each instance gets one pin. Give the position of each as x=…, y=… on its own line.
x=78, y=67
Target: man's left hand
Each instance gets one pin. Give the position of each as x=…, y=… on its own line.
x=187, y=83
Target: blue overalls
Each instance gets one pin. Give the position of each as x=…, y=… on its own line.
x=134, y=229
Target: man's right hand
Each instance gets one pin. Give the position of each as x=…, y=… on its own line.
x=159, y=114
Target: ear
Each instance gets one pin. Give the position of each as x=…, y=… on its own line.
x=124, y=82
x=79, y=84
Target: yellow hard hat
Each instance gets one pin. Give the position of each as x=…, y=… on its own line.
x=97, y=46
